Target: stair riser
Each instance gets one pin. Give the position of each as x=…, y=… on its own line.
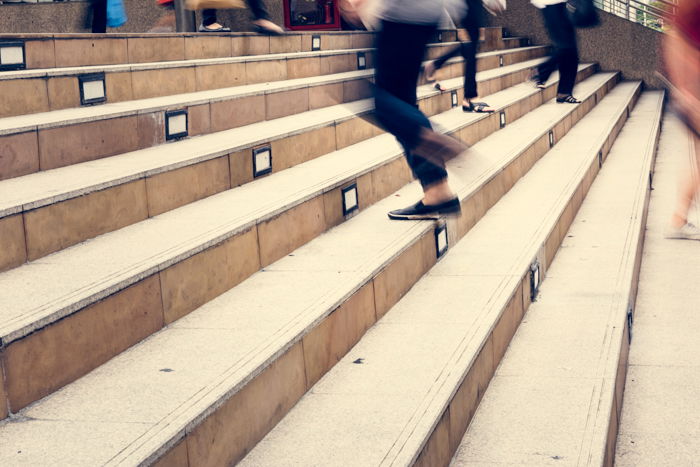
x=449, y=430
x=61, y=90
x=49, y=148
x=38, y=232
x=42, y=94
x=58, y=146
x=231, y=445
x=61, y=51
x=177, y=290
x=621, y=375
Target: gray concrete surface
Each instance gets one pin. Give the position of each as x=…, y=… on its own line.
x=551, y=398
x=660, y=417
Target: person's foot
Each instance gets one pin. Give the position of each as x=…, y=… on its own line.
x=479, y=107
x=569, y=99
x=687, y=231
x=215, y=27
x=539, y=82
x=268, y=27
x=419, y=211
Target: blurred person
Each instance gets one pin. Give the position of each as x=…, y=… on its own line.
x=406, y=26
x=471, y=22
x=165, y=23
x=681, y=50
x=260, y=14
x=98, y=21
x=564, y=56
x=210, y=24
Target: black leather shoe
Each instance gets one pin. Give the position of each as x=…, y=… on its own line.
x=421, y=211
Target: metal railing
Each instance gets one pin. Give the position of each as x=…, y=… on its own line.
x=654, y=14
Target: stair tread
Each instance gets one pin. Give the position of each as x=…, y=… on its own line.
x=21, y=123
x=122, y=67
x=307, y=289
x=119, y=258
x=47, y=187
x=564, y=358
x=659, y=424
x=416, y=356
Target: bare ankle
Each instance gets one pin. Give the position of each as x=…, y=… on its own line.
x=678, y=220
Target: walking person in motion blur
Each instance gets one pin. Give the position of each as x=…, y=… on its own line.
x=472, y=21
x=564, y=56
x=406, y=27
x=681, y=49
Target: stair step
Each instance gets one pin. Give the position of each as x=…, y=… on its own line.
x=659, y=424
x=272, y=327
x=55, y=139
x=406, y=390
x=32, y=91
x=557, y=393
x=70, y=50
x=62, y=192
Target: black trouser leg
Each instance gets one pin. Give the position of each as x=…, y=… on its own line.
x=208, y=17
x=471, y=22
x=565, y=55
x=257, y=7
x=99, y=16
x=400, y=52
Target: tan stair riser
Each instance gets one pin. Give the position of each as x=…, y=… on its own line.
x=50, y=148
x=56, y=92
x=58, y=52
x=43, y=94
x=449, y=431
x=4, y=408
x=233, y=440
x=42, y=231
x=189, y=284
x=61, y=91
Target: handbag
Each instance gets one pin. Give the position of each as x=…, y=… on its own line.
x=214, y=4
x=116, y=13
x=583, y=13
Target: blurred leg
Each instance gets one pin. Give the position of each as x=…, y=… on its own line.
x=208, y=17
x=400, y=51
x=99, y=16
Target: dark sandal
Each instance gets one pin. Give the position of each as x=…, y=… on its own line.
x=568, y=100
x=478, y=107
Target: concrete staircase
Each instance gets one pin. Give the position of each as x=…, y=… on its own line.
x=200, y=271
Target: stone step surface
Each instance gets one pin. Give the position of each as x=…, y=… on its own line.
x=39, y=204
x=168, y=266
x=71, y=50
x=568, y=358
x=56, y=139
x=258, y=371
x=659, y=424
x=404, y=394
x=33, y=91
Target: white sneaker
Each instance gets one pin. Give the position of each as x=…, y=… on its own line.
x=686, y=232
